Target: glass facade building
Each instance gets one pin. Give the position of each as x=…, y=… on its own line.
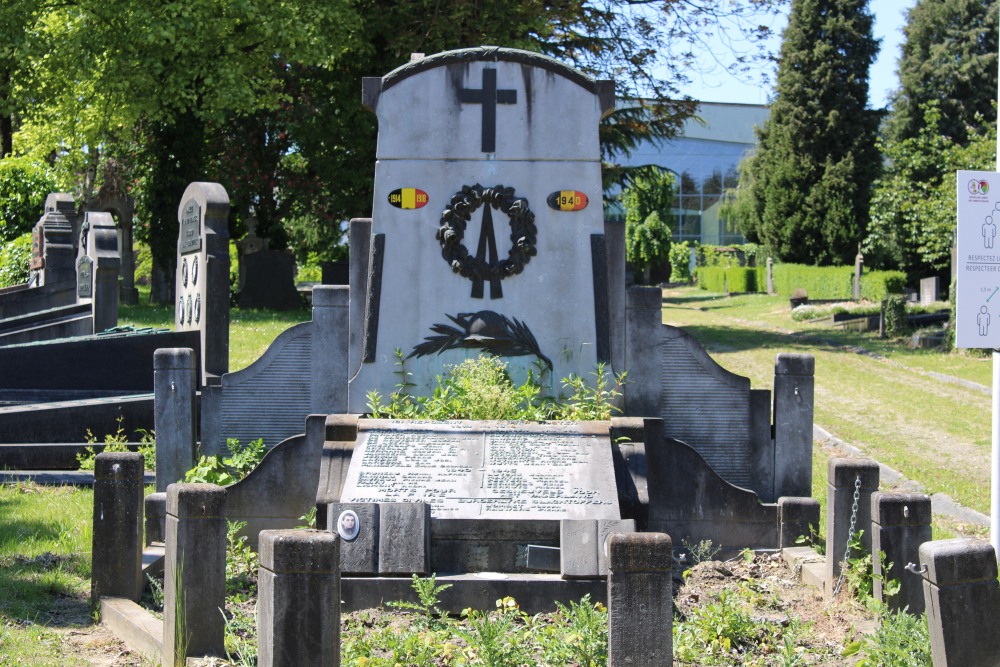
x=704, y=162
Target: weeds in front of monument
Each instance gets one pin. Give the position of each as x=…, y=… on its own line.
x=429, y=614
x=573, y=635
x=241, y=461
x=241, y=561
x=482, y=389
x=899, y=639
x=118, y=442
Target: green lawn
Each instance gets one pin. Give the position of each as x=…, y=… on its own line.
x=875, y=394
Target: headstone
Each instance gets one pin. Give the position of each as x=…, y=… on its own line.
x=97, y=268
x=268, y=279
x=487, y=223
x=404, y=538
x=584, y=545
x=794, y=387
x=929, y=290
x=486, y=470
x=175, y=380
x=202, y=283
x=359, y=541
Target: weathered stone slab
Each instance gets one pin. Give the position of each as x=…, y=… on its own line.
x=358, y=555
x=404, y=538
x=583, y=545
x=492, y=470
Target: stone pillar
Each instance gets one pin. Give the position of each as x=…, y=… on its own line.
x=962, y=598
x=117, y=540
x=298, y=619
x=156, y=518
x=103, y=247
x=175, y=376
x=847, y=476
x=770, y=276
x=643, y=336
x=901, y=522
x=797, y=517
x=194, y=584
x=640, y=603
x=360, y=243
x=793, y=424
x=60, y=257
x=858, y=264
x=330, y=336
x=614, y=243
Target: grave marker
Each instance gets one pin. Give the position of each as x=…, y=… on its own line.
x=466, y=255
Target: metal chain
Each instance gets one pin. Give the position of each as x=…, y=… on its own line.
x=850, y=532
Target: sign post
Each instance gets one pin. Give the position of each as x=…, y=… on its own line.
x=977, y=307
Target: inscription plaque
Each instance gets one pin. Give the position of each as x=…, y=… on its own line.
x=37, y=249
x=190, y=228
x=486, y=470
x=85, y=278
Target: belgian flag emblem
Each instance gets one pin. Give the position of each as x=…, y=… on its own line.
x=408, y=198
x=568, y=200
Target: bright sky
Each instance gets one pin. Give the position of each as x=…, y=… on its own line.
x=718, y=86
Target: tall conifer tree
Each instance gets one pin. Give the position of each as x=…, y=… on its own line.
x=805, y=193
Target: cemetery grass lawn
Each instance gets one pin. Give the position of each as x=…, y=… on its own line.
x=878, y=395
x=45, y=615
x=251, y=330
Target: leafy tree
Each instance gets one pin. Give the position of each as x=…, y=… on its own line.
x=913, y=205
x=24, y=185
x=804, y=194
x=949, y=57
x=647, y=201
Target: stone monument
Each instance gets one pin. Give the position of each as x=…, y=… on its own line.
x=487, y=224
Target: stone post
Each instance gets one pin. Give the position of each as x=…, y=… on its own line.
x=962, y=598
x=60, y=256
x=797, y=517
x=793, y=424
x=298, y=619
x=901, y=522
x=858, y=265
x=156, y=518
x=847, y=477
x=643, y=336
x=770, y=276
x=330, y=335
x=175, y=380
x=640, y=603
x=117, y=540
x=194, y=583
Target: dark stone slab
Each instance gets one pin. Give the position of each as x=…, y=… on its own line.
x=269, y=281
x=358, y=555
x=404, y=538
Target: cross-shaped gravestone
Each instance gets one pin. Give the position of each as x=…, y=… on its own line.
x=478, y=152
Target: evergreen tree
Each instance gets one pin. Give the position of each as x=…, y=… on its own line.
x=805, y=193
x=941, y=120
x=949, y=57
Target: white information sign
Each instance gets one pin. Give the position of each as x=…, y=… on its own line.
x=977, y=312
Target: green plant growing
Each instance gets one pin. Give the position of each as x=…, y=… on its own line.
x=597, y=401
x=700, y=552
x=241, y=461
x=900, y=639
x=647, y=202
x=428, y=591
x=894, y=315
x=491, y=636
x=118, y=442
x=587, y=641
x=241, y=561
x=714, y=630
x=240, y=637
x=308, y=520
x=156, y=591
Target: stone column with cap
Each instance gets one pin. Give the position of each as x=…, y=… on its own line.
x=640, y=603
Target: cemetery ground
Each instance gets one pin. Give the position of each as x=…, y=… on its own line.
x=922, y=413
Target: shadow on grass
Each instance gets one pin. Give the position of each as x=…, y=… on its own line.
x=46, y=590
x=735, y=339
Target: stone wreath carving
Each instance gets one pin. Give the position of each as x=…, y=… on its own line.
x=486, y=265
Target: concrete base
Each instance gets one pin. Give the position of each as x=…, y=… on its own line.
x=807, y=564
x=535, y=593
x=136, y=627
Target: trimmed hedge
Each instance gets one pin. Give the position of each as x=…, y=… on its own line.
x=736, y=278
x=819, y=282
